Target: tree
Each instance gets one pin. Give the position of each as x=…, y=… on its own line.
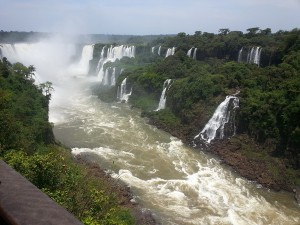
x=46, y=88
x=224, y=31
x=252, y=31
x=266, y=31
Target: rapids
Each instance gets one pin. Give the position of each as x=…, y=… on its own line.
x=178, y=184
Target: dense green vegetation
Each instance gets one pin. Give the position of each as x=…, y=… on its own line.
x=269, y=94
x=27, y=144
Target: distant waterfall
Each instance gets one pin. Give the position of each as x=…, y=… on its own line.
x=42, y=54
x=113, y=53
x=8, y=51
x=217, y=122
x=152, y=50
x=190, y=51
x=254, y=55
x=250, y=57
x=122, y=92
x=195, y=54
x=86, y=56
x=163, y=97
x=240, y=55
x=159, y=50
x=170, y=51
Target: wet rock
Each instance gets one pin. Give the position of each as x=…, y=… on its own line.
x=297, y=194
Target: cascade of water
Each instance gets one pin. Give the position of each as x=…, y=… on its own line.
x=217, y=122
x=113, y=53
x=189, y=53
x=113, y=77
x=254, y=55
x=101, y=60
x=86, y=56
x=8, y=51
x=240, y=55
x=170, y=51
x=256, y=59
x=152, y=50
x=123, y=96
x=163, y=97
x=195, y=54
x=159, y=50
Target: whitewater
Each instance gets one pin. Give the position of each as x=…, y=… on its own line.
x=180, y=185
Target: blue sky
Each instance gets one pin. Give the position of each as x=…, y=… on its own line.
x=147, y=16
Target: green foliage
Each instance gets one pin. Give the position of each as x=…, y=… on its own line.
x=83, y=195
x=24, y=109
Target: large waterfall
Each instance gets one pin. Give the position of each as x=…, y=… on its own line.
x=163, y=97
x=48, y=57
x=219, y=119
x=112, y=54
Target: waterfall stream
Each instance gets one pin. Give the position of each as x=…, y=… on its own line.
x=163, y=97
x=219, y=119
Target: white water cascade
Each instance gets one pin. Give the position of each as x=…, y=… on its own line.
x=195, y=54
x=152, y=50
x=254, y=55
x=190, y=51
x=240, y=55
x=49, y=56
x=170, y=51
x=163, y=97
x=113, y=53
x=217, y=122
x=159, y=50
x=122, y=92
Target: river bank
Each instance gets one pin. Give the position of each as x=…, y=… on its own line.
x=120, y=189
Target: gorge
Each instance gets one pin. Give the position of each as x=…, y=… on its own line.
x=179, y=184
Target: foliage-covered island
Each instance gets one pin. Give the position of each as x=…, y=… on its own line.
x=204, y=69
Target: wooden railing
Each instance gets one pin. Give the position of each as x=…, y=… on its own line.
x=22, y=203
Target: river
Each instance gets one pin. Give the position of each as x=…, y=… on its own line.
x=178, y=184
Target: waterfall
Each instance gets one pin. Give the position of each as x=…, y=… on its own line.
x=189, y=53
x=170, y=51
x=195, y=54
x=100, y=63
x=219, y=119
x=113, y=77
x=113, y=53
x=163, y=97
x=122, y=91
x=240, y=55
x=159, y=50
x=86, y=56
x=253, y=56
x=8, y=51
x=152, y=50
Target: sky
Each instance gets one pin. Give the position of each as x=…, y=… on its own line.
x=143, y=17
